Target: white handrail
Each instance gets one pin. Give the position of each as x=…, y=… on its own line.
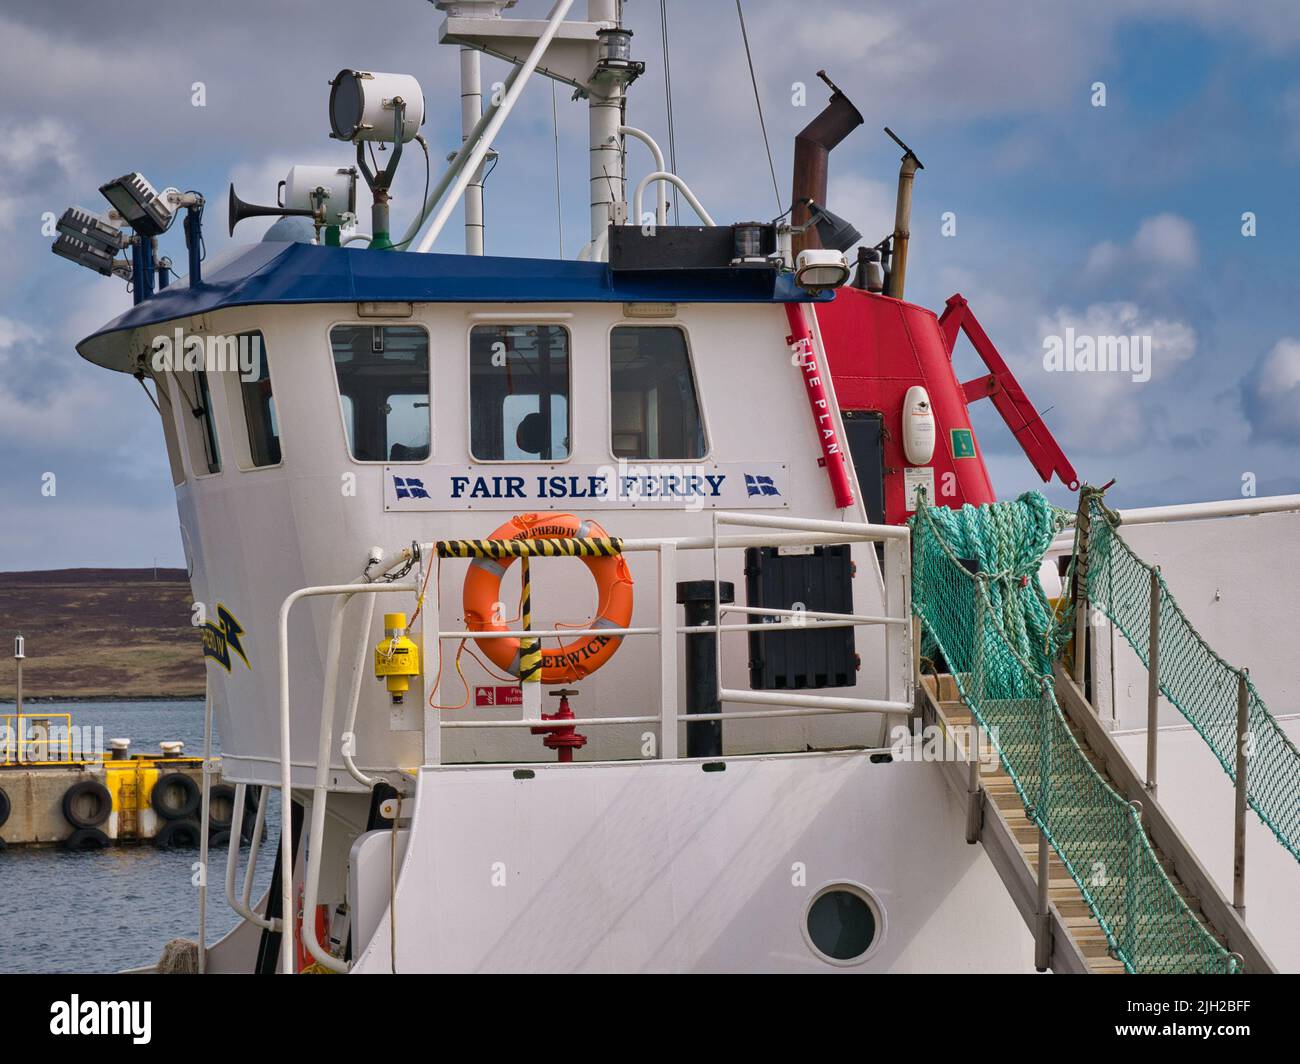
x=205, y=822
x=661, y=212
x=286, y=772
x=517, y=80
x=682, y=187
x=1196, y=511
x=349, y=726
x=232, y=859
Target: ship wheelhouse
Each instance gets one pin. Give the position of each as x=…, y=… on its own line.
x=321, y=401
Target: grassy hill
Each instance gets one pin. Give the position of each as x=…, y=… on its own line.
x=100, y=633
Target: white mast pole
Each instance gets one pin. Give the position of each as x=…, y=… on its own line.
x=605, y=111
x=473, y=158
x=471, y=110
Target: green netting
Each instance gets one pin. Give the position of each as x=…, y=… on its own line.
x=977, y=593
x=1195, y=679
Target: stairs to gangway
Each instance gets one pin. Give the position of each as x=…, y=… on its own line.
x=998, y=820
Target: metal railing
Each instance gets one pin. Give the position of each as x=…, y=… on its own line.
x=29, y=739
x=787, y=532
x=792, y=532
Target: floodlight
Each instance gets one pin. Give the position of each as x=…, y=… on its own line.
x=92, y=229
x=139, y=203
x=83, y=253
x=364, y=106
x=818, y=269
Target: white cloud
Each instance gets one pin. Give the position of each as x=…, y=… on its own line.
x=1165, y=241
x=1104, y=410
x=14, y=332
x=1271, y=394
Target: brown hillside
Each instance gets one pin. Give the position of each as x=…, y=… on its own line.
x=100, y=633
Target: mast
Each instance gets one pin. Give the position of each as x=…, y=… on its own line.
x=606, y=100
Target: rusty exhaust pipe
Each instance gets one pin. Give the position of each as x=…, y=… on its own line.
x=902, y=218
x=812, y=149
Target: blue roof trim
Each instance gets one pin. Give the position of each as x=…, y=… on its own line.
x=310, y=273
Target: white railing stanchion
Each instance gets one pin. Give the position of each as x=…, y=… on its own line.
x=232, y=860
x=430, y=670
x=668, y=651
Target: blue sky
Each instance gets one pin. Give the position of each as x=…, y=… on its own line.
x=1123, y=218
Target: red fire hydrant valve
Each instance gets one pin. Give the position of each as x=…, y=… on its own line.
x=561, y=738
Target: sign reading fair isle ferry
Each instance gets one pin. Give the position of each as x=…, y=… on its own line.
x=699, y=486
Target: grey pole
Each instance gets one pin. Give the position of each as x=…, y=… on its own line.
x=1239, y=820
x=1043, y=935
x=19, y=655
x=1081, y=599
x=1153, y=679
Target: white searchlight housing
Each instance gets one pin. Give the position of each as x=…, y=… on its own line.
x=364, y=106
x=333, y=188
x=820, y=269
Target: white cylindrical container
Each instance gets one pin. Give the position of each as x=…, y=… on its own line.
x=918, y=426
x=362, y=106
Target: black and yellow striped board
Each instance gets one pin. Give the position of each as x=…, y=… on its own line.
x=587, y=547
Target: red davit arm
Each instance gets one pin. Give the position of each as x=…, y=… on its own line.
x=1000, y=385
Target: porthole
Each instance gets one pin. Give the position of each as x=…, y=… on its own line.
x=843, y=924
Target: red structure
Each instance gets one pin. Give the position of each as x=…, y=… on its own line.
x=880, y=347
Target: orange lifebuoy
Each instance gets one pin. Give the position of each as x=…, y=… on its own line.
x=579, y=658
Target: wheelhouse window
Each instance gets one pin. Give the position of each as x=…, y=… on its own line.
x=259, y=403
x=383, y=378
x=654, y=408
x=519, y=393
x=198, y=427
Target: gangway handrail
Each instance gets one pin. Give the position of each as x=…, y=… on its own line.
x=1124, y=588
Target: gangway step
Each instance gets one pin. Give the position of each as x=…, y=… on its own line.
x=1088, y=943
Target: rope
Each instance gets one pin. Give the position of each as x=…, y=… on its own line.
x=762, y=124
x=668, y=105
x=976, y=591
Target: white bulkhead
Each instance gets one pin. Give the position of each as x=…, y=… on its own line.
x=253, y=533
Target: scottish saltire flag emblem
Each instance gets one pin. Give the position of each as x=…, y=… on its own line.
x=410, y=488
x=760, y=485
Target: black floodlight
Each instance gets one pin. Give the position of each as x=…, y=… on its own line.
x=137, y=201
x=92, y=229
x=834, y=231
x=83, y=253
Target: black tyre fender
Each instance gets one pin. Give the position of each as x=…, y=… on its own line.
x=87, y=794
x=83, y=840
x=224, y=794
x=178, y=835
x=175, y=796
x=5, y=807
x=219, y=839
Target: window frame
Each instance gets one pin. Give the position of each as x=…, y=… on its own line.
x=382, y=323
x=507, y=320
x=237, y=408
x=189, y=432
x=624, y=323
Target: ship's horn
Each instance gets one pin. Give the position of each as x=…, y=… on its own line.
x=239, y=210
